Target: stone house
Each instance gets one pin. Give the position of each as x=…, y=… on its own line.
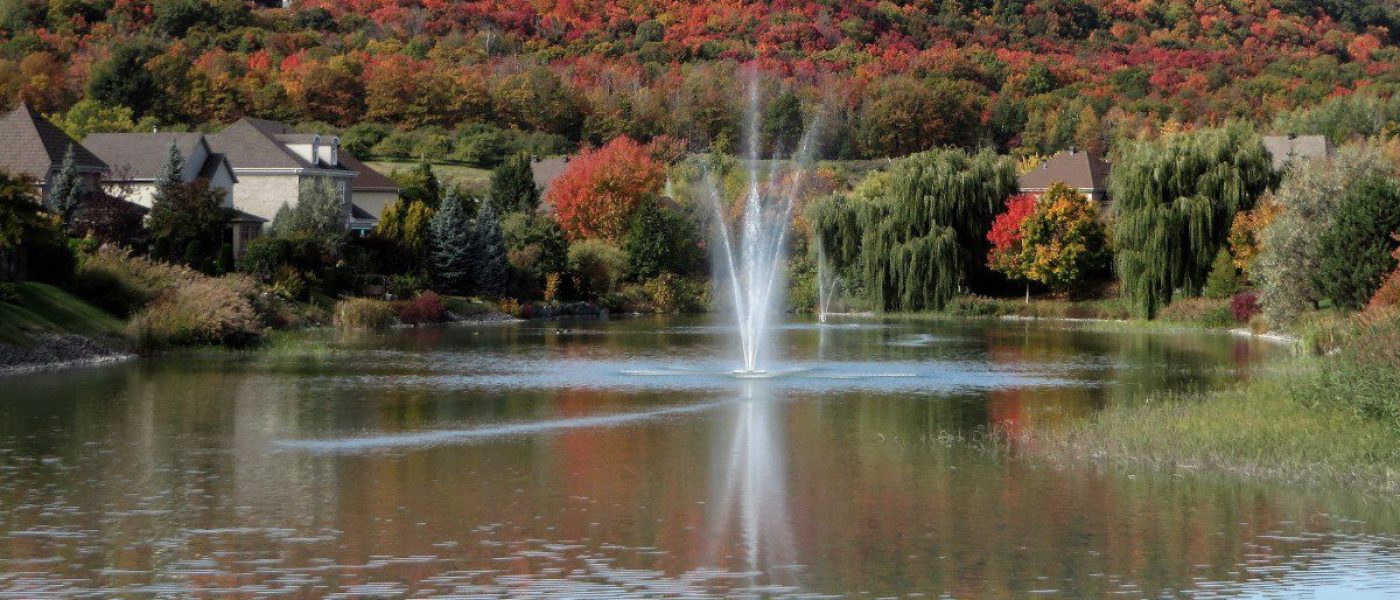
x=31, y=145
x=1086, y=172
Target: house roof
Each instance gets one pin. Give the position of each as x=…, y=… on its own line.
x=1286, y=148
x=140, y=156
x=1076, y=168
x=31, y=145
x=255, y=144
x=368, y=180
x=547, y=170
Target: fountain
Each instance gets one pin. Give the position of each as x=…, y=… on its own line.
x=827, y=286
x=755, y=258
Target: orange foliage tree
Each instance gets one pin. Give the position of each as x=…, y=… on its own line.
x=597, y=194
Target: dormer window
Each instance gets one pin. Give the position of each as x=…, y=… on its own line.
x=315, y=148
x=335, y=151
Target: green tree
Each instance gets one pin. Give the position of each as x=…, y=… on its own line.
x=920, y=233
x=404, y=224
x=186, y=215
x=19, y=212
x=536, y=244
x=319, y=214
x=1355, y=253
x=660, y=240
x=490, y=271
x=124, y=80
x=453, y=246
x=65, y=191
x=782, y=121
x=419, y=184
x=513, y=185
x=89, y=116
x=1175, y=200
x=1309, y=199
x=1224, y=278
x=907, y=115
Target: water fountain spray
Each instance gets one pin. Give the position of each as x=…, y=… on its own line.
x=756, y=259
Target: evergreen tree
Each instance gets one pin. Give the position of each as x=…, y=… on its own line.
x=1224, y=279
x=513, y=185
x=421, y=185
x=320, y=214
x=188, y=215
x=1175, y=200
x=1355, y=253
x=490, y=272
x=170, y=171
x=453, y=246
x=65, y=192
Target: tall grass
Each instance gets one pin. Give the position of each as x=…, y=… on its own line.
x=365, y=313
x=1331, y=419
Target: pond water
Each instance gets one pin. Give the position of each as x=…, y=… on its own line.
x=618, y=459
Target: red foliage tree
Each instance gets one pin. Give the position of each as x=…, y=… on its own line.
x=597, y=194
x=1005, y=236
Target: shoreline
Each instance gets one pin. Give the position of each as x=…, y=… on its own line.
x=59, y=351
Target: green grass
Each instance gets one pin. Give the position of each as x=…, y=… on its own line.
x=36, y=307
x=1330, y=421
x=473, y=179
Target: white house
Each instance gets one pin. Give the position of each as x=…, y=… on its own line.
x=137, y=159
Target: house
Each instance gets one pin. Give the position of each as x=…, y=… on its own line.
x=1286, y=149
x=271, y=162
x=137, y=159
x=1083, y=171
x=31, y=145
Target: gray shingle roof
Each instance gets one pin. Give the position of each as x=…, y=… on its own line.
x=368, y=180
x=31, y=145
x=1079, y=169
x=254, y=144
x=1288, y=148
x=140, y=156
x=547, y=170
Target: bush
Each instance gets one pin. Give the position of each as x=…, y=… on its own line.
x=205, y=311
x=426, y=308
x=1355, y=253
x=122, y=284
x=1245, y=306
x=598, y=266
x=364, y=313
x=1199, y=312
x=1224, y=279
x=1389, y=294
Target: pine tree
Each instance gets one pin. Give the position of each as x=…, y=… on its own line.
x=491, y=270
x=64, y=192
x=170, y=170
x=453, y=246
x=513, y=186
x=1224, y=279
x=1355, y=253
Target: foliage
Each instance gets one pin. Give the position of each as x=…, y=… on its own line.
x=1246, y=230
x=918, y=235
x=490, y=273
x=419, y=185
x=1175, y=201
x=1354, y=255
x=513, y=185
x=454, y=248
x=906, y=115
x=364, y=313
x=1245, y=306
x=1224, y=279
x=597, y=266
x=538, y=237
x=109, y=220
x=1199, y=312
x=319, y=214
x=426, y=308
x=601, y=188
x=1309, y=202
x=65, y=191
x=205, y=311
x=1057, y=243
x=185, y=216
x=89, y=116
x=661, y=240
x=405, y=226
x=20, y=215
x=1343, y=118
x=122, y=284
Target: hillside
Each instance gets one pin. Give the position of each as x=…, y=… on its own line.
x=896, y=76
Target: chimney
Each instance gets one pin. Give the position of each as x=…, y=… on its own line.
x=1073, y=150
x=1292, y=135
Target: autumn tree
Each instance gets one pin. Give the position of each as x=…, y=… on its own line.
x=1005, y=237
x=597, y=194
x=906, y=115
x=1057, y=239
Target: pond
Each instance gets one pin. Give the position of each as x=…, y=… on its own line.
x=622, y=458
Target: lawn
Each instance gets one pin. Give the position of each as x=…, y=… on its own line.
x=36, y=307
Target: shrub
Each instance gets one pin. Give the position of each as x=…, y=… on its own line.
x=1224, y=279
x=1199, y=312
x=426, y=308
x=512, y=307
x=1245, y=306
x=1355, y=253
x=123, y=284
x=205, y=311
x=1389, y=294
x=364, y=313
x=597, y=265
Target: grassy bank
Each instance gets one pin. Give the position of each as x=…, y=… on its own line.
x=1195, y=312
x=1328, y=418
x=30, y=308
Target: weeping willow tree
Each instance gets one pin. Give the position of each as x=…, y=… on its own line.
x=914, y=235
x=1174, y=201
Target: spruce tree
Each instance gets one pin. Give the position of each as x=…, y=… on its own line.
x=1355, y=253
x=491, y=270
x=452, y=247
x=1224, y=279
x=170, y=170
x=647, y=243
x=513, y=185
x=64, y=192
